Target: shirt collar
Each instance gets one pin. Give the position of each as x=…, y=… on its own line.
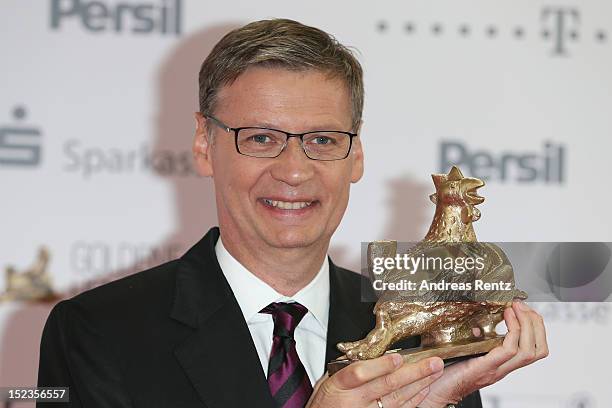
x=253, y=294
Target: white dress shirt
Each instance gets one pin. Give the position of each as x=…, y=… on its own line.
x=253, y=294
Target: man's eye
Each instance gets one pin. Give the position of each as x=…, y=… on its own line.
x=262, y=139
x=322, y=140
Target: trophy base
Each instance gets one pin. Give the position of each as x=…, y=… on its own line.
x=450, y=353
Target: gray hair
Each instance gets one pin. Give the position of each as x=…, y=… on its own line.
x=279, y=43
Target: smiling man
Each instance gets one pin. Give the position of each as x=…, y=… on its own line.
x=249, y=316
x=280, y=198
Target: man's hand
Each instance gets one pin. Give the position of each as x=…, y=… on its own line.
x=361, y=383
x=524, y=344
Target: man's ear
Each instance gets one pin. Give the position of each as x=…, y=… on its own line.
x=202, y=147
x=357, y=156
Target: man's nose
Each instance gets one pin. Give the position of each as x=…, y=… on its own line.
x=292, y=166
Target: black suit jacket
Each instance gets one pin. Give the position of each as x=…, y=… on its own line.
x=174, y=336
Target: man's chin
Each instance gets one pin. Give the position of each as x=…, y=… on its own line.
x=288, y=239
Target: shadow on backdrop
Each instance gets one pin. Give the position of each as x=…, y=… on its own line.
x=407, y=218
x=194, y=211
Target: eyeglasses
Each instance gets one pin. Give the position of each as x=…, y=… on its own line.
x=269, y=143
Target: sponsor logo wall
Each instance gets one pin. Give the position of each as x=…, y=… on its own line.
x=96, y=120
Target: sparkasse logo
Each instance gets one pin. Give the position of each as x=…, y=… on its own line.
x=20, y=144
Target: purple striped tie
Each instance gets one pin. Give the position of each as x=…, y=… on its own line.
x=287, y=378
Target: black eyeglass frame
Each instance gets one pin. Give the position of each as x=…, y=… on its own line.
x=289, y=135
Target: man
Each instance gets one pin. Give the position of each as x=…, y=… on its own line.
x=249, y=316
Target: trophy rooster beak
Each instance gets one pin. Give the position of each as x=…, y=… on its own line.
x=471, y=185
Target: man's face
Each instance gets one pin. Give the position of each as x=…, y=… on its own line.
x=310, y=195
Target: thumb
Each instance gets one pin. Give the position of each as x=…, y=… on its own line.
x=318, y=384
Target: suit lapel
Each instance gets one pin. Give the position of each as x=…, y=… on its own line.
x=219, y=357
x=350, y=319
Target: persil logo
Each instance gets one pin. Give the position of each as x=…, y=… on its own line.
x=162, y=17
x=546, y=165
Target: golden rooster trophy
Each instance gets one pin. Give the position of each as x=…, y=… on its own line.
x=451, y=322
x=32, y=284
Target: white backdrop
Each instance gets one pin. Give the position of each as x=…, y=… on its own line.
x=96, y=104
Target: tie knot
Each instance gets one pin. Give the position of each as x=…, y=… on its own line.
x=286, y=317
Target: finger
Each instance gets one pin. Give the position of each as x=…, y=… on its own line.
x=363, y=371
x=319, y=382
x=540, y=336
x=410, y=393
x=512, y=322
x=407, y=374
x=501, y=354
x=315, y=389
x=417, y=399
x=527, y=351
